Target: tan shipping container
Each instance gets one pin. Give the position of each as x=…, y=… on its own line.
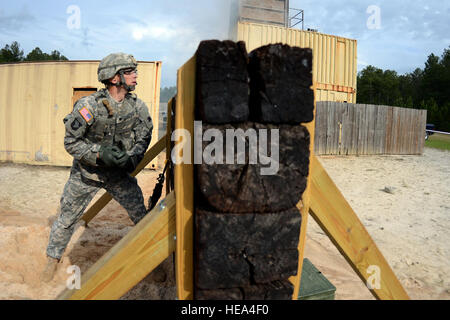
x=36, y=96
x=334, y=63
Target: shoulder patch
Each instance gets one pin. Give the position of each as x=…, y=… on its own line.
x=76, y=124
x=86, y=114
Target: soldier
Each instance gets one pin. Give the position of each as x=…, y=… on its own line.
x=107, y=133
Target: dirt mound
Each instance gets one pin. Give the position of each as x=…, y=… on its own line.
x=29, y=199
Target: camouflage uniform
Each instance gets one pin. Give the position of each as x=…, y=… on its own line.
x=95, y=121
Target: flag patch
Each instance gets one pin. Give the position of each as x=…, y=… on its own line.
x=86, y=114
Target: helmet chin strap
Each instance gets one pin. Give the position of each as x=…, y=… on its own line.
x=124, y=83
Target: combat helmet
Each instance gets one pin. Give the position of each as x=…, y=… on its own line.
x=113, y=64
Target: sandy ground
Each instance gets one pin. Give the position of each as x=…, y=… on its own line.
x=409, y=224
x=404, y=203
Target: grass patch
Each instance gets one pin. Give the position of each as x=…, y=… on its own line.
x=438, y=141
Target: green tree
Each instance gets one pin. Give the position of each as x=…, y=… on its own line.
x=11, y=53
x=427, y=88
x=37, y=55
x=432, y=79
x=376, y=86
x=56, y=55
x=435, y=89
x=167, y=93
x=411, y=86
x=369, y=85
x=445, y=76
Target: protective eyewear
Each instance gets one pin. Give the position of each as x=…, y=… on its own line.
x=130, y=71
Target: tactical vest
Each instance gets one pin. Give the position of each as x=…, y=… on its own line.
x=114, y=127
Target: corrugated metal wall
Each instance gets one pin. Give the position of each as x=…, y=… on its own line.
x=35, y=97
x=335, y=58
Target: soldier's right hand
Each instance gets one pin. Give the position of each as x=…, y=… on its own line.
x=110, y=156
x=118, y=153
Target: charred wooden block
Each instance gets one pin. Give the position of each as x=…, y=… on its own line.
x=258, y=187
x=236, y=250
x=277, y=290
x=280, y=80
x=222, y=82
x=218, y=294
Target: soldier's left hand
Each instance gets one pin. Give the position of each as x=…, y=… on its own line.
x=126, y=163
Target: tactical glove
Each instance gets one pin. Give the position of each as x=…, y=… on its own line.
x=126, y=163
x=111, y=156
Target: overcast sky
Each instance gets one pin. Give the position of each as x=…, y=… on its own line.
x=170, y=30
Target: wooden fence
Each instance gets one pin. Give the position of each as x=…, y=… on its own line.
x=360, y=129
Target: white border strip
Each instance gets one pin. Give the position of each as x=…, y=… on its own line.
x=437, y=131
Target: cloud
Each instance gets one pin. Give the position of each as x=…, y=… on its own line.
x=13, y=22
x=408, y=33
x=362, y=63
x=170, y=31
x=162, y=33
x=172, y=35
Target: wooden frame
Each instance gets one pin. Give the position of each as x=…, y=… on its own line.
x=184, y=182
x=148, y=244
x=304, y=206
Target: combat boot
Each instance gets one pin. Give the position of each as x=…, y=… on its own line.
x=50, y=269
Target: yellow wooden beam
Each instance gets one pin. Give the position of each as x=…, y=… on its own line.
x=304, y=205
x=106, y=197
x=148, y=244
x=151, y=154
x=338, y=220
x=184, y=183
